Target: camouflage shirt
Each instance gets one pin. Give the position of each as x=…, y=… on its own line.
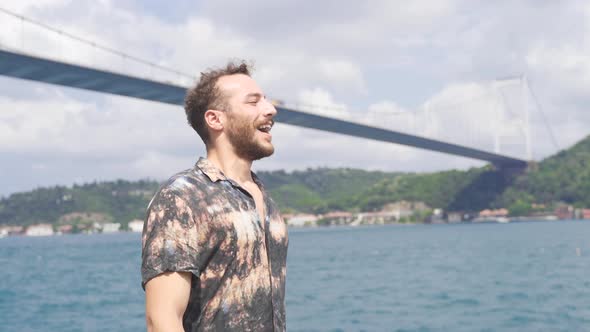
x=206, y=224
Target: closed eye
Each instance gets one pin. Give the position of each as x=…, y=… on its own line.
x=253, y=98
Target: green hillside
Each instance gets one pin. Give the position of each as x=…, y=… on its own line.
x=451, y=190
x=320, y=190
x=121, y=200
x=564, y=177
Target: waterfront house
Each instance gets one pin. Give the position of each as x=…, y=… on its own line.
x=454, y=217
x=564, y=212
x=111, y=227
x=39, y=230
x=135, y=225
x=338, y=217
x=299, y=220
x=487, y=213
x=376, y=218
x=65, y=229
x=15, y=230
x=404, y=209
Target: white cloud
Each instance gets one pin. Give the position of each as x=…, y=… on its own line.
x=342, y=72
x=387, y=114
x=321, y=102
x=153, y=163
x=64, y=125
x=22, y=6
x=567, y=66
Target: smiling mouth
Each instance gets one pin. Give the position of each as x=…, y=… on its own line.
x=265, y=128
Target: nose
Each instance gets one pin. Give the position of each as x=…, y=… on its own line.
x=269, y=109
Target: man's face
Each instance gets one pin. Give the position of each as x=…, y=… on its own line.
x=250, y=117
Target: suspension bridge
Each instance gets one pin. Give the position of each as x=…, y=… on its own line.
x=23, y=65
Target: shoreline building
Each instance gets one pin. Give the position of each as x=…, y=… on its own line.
x=39, y=230
x=135, y=226
x=111, y=227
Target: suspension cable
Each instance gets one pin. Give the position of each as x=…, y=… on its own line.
x=544, y=117
x=95, y=45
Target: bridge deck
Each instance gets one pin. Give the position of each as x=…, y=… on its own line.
x=49, y=71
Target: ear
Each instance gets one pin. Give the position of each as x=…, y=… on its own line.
x=215, y=119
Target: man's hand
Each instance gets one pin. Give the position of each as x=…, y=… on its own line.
x=166, y=298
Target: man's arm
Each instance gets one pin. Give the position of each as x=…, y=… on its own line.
x=166, y=298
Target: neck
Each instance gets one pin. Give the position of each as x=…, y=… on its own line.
x=234, y=167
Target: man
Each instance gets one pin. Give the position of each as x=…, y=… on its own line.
x=214, y=244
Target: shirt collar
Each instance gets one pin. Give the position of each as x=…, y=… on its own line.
x=258, y=182
x=215, y=174
x=212, y=172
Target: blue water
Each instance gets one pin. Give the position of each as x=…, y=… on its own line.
x=531, y=276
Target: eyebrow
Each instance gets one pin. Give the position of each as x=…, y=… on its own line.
x=254, y=94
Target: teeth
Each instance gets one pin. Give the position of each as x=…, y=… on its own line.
x=265, y=127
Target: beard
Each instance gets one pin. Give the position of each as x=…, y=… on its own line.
x=241, y=135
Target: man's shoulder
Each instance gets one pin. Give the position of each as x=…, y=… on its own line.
x=184, y=184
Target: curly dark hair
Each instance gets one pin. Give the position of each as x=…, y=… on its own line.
x=206, y=95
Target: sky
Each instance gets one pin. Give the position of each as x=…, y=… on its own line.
x=466, y=72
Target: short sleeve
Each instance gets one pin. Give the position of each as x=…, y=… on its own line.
x=169, y=240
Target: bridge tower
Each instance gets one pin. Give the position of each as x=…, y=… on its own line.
x=527, y=117
x=523, y=112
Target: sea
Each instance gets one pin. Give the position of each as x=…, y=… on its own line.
x=525, y=276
